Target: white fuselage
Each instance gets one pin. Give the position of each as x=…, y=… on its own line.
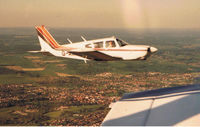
x=126, y=52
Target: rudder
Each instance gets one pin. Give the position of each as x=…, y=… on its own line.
x=45, y=37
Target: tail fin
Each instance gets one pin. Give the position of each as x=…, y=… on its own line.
x=46, y=38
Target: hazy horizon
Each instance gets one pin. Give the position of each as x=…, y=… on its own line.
x=101, y=14
x=54, y=27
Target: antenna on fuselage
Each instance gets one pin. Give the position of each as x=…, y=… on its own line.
x=69, y=41
x=83, y=38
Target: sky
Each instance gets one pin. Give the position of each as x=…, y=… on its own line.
x=101, y=13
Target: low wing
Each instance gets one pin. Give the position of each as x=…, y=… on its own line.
x=94, y=55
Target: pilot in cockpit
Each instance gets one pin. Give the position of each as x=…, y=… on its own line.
x=111, y=44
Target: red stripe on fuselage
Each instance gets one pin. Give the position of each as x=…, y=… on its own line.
x=100, y=49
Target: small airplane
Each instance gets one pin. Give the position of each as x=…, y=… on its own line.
x=105, y=49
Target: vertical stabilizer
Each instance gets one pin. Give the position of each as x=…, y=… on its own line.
x=46, y=39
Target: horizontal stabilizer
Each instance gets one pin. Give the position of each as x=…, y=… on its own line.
x=43, y=52
x=37, y=51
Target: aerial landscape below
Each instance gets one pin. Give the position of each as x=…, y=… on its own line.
x=38, y=89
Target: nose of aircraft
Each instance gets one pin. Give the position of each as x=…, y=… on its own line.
x=153, y=49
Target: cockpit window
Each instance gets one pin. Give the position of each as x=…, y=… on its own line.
x=88, y=46
x=110, y=44
x=98, y=45
x=121, y=43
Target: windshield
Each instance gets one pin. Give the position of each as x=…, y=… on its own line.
x=121, y=43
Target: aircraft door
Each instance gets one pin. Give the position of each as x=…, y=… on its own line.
x=110, y=48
